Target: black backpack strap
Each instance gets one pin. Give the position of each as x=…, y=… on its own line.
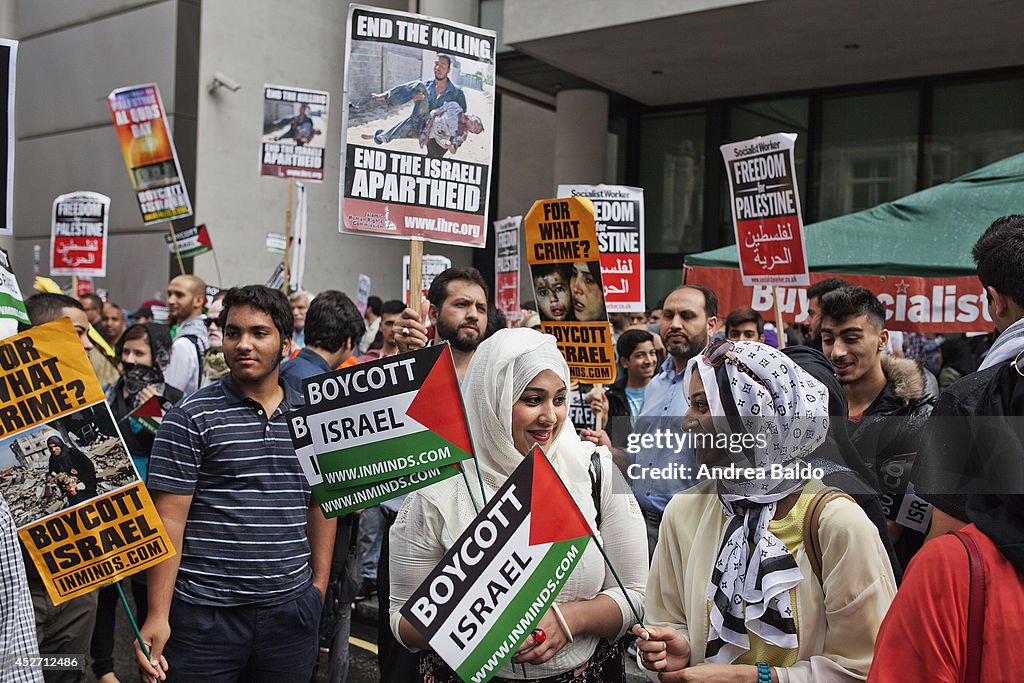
x=595, y=485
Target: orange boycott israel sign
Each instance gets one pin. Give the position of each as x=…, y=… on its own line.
x=149, y=153
x=75, y=496
x=912, y=304
x=565, y=266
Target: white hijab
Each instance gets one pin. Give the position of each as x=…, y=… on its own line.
x=501, y=368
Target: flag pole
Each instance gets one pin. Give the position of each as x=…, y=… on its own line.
x=177, y=251
x=288, y=238
x=593, y=536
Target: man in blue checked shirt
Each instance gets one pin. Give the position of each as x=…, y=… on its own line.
x=687, y=318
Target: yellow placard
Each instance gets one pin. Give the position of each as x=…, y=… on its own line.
x=565, y=269
x=80, y=507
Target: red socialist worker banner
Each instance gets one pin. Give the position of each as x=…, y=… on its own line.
x=913, y=304
x=765, y=205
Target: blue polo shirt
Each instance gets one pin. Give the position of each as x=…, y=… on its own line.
x=245, y=538
x=663, y=409
x=307, y=363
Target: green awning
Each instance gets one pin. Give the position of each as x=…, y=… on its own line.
x=929, y=233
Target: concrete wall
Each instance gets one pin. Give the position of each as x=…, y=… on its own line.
x=300, y=44
x=526, y=20
x=72, y=54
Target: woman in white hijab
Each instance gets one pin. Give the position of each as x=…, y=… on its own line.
x=731, y=594
x=515, y=396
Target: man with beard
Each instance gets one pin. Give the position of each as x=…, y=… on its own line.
x=186, y=296
x=688, y=315
x=242, y=598
x=457, y=312
x=112, y=323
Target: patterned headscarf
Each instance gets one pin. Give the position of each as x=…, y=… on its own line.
x=758, y=390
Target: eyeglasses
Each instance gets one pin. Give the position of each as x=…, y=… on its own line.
x=1018, y=363
x=718, y=351
x=722, y=350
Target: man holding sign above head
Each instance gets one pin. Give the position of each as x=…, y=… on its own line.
x=515, y=397
x=242, y=600
x=457, y=313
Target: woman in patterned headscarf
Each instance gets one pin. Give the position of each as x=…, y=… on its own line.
x=732, y=592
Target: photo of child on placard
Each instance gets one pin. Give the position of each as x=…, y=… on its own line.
x=63, y=463
x=551, y=284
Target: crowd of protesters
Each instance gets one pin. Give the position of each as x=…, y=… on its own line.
x=887, y=540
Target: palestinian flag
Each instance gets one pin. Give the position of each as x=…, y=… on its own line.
x=338, y=502
x=191, y=241
x=149, y=415
x=387, y=418
x=489, y=591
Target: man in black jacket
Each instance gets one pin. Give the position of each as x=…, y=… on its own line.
x=890, y=401
x=949, y=466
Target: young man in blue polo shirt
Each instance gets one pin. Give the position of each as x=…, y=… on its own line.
x=242, y=598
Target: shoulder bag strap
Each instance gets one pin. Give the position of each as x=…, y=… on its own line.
x=812, y=543
x=975, y=609
x=595, y=485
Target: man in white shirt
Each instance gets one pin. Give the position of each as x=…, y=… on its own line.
x=186, y=296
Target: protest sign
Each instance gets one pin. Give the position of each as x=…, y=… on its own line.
x=191, y=241
x=149, y=153
x=337, y=502
x=619, y=219
x=362, y=293
x=387, y=418
x=506, y=266
x=418, y=127
x=294, y=132
x=78, y=234
x=8, y=63
x=489, y=591
x=80, y=286
x=561, y=247
x=765, y=205
x=75, y=496
x=432, y=267
x=912, y=304
x=12, y=304
x=276, y=242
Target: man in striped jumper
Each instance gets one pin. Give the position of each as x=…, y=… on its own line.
x=241, y=600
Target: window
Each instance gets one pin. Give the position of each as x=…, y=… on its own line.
x=868, y=151
x=973, y=125
x=672, y=175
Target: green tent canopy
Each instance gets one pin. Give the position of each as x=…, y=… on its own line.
x=927, y=234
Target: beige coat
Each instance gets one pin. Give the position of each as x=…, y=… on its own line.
x=836, y=628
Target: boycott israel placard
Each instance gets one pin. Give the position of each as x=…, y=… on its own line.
x=619, y=219
x=294, y=132
x=766, y=210
x=506, y=266
x=337, y=502
x=8, y=62
x=418, y=127
x=79, y=505
x=78, y=234
x=912, y=304
x=433, y=266
x=561, y=247
x=387, y=418
x=191, y=241
x=498, y=579
x=149, y=153
x=12, y=305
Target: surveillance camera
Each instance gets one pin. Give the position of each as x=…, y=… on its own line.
x=222, y=79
